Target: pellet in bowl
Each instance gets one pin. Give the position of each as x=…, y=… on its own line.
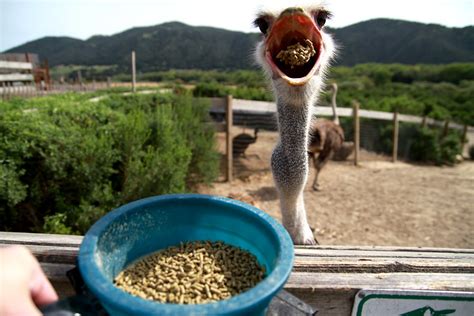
x=297, y=54
x=192, y=273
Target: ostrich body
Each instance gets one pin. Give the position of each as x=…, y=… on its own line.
x=296, y=89
x=241, y=142
x=325, y=138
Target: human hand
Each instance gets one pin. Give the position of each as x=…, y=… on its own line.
x=23, y=284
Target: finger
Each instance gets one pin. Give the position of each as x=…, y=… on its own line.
x=41, y=290
x=27, y=271
x=21, y=309
x=15, y=297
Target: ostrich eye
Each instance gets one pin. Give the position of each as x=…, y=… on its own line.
x=262, y=24
x=321, y=18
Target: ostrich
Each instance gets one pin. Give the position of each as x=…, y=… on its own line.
x=296, y=89
x=325, y=139
x=241, y=142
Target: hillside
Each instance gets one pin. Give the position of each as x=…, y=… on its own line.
x=395, y=41
x=180, y=46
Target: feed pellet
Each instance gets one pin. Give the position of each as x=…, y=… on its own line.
x=192, y=273
x=297, y=54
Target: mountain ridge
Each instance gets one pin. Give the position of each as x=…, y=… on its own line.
x=178, y=45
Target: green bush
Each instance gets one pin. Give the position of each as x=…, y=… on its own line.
x=214, y=89
x=450, y=147
x=425, y=146
x=429, y=146
x=65, y=162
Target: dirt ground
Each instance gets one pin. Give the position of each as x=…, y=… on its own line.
x=378, y=203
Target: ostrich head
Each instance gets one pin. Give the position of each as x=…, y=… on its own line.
x=291, y=26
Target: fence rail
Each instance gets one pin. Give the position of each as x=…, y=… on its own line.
x=262, y=107
x=261, y=114
x=326, y=277
x=30, y=90
x=15, y=65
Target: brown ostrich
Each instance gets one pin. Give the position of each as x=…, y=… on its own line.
x=325, y=139
x=241, y=142
x=294, y=53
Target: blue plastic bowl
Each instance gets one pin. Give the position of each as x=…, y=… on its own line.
x=145, y=226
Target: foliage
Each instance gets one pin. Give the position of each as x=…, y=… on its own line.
x=425, y=146
x=56, y=224
x=430, y=146
x=450, y=147
x=65, y=162
x=437, y=91
x=214, y=89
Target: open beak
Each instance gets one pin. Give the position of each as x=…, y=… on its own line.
x=291, y=28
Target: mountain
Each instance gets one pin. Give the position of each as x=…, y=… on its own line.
x=180, y=46
x=395, y=41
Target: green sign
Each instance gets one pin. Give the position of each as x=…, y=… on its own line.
x=413, y=303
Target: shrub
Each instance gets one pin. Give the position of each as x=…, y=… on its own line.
x=425, y=146
x=450, y=147
x=429, y=146
x=65, y=162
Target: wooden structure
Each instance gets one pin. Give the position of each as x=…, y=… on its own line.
x=15, y=74
x=326, y=277
x=229, y=145
x=224, y=106
x=134, y=72
x=355, y=114
x=20, y=73
x=395, y=137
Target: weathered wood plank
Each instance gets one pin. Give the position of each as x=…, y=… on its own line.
x=326, y=277
x=264, y=107
x=16, y=77
x=15, y=65
x=63, y=249
x=370, y=249
x=381, y=259
x=333, y=293
x=40, y=239
x=412, y=281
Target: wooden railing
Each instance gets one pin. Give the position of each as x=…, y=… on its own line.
x=326, y=277
x=228, y=107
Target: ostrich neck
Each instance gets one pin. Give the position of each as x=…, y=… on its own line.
x=293, y=124
x=293, y=121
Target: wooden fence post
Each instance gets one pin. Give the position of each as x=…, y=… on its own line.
x=355, y=114
x=464, y=138
x=446, y=128
x=134, y=72
x=395, y=137
x=423, y=121
x=229, y=123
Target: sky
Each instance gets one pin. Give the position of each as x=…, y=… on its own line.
x=22, y=21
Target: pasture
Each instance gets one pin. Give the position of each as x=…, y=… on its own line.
x=377, y=203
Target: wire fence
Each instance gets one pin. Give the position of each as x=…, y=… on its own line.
x=382, y=136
